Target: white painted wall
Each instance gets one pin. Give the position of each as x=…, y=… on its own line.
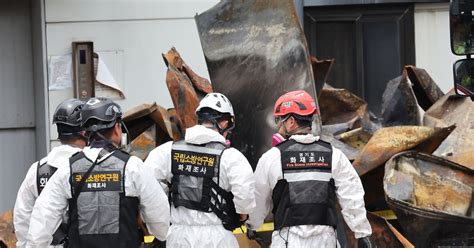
x=433, y=52
x=130, y=35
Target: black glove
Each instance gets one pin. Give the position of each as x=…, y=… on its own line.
x=251, y=234
x=364, y=242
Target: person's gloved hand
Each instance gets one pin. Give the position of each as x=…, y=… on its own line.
x=251, y=234
x=364, y=242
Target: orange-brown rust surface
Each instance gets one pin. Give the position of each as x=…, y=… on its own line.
x=389, y=141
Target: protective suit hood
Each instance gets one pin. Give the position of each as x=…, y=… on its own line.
x=59, y=155
x=304, y=138
x=200, y=134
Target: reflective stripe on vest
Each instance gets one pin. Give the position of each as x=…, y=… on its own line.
x=103, y=215
x=306, y=194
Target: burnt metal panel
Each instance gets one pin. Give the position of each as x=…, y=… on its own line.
x=432, y=198
x=255, y=52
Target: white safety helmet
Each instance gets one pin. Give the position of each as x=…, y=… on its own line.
x=213, y=107
x=217, y=102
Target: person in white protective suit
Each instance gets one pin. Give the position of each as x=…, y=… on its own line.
x=104, y=189
x=67, y=120
x=211, y=185
x=300, y=179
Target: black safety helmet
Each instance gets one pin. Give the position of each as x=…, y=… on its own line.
x=100, y=113
x=67, y=118
x=69, y=112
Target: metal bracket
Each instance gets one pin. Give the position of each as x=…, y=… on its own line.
x=83, y=67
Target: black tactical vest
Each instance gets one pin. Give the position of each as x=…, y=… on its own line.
x=195, y=181
x=43, y=172
x=306, y=194
x=102, y=216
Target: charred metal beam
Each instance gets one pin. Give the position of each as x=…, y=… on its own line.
x=255, y=51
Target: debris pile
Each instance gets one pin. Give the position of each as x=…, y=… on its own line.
x=7, y=232
x=429, y=172
x=151, y=125
x=416, y=159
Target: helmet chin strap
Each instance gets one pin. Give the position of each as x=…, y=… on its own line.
x=108, y=144
x=228, y=129
x=220, y=130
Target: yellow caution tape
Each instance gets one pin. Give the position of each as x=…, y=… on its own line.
x=386, y=214
x=148, y=239
x=266, y=227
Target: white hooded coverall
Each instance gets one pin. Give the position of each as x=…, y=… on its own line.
x=349, y=192
x=28, y=192
x=139, y=182
x=192, y=228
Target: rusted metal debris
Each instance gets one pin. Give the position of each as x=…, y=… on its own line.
x=142, y=117
x=185, y=87
x=340, y=106
x=391, y=140
x=465, y=158
x=342, y=112
x=339, y=128
x=432, y=198
x=255, y=51
x=142, y=145
x=7, y=232
x=356, y=138
x=349, y=142
x=426, y=90
x=150, y=125
x=384, y=235
x=321, y=69
x=399, y=104
x=350, y=152
x=202, y=85
x=450, y=110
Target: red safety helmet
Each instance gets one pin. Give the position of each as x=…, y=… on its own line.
x=295, y=102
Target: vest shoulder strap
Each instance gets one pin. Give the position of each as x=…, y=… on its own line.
x=39, y=164
x=285, y=144
x=76, y=156
x=43, y=172
x=124, y=156
x=325, y=144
